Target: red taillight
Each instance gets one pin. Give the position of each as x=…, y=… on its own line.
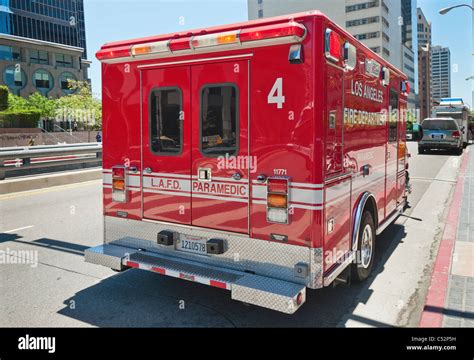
x=118, y=173
x=277, y=186
x=299, y=299
x=180, y=44
x=118, y=52
x=456, y=134
x=272, y=31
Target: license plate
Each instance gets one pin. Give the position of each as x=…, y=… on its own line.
x=192, y=244
x=438, y=136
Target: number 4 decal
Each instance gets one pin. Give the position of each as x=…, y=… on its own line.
x=276, y=94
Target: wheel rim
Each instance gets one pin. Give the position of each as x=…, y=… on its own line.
x=366, y=246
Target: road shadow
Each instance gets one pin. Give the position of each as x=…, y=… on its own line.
x=45, y=243
x=139, y=298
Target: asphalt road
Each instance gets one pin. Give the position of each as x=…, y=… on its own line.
x=58, y=224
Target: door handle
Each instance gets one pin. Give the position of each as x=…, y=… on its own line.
x=148, y=170
x=237, y=176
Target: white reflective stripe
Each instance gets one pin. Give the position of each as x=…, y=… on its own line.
x=310, y=196
x=169, y=175
x=163, y=183
x=307, y=185
x=259, y=202
x=107, y=178
x=107, y=186
x=212, y=188
x=150, y=191
x=293, y=184
x=201, y=196
x=105, y=171
x=305, y=196
x=243, y=181
x=134, y=180
x=259, y=192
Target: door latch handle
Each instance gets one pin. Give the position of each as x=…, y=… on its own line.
x=237, y=176
x=148, y=170
x=133, y=169
x=261, y=178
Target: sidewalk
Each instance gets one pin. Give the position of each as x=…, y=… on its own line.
x=450, y=299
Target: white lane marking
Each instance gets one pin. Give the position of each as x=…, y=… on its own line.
x=19, y=229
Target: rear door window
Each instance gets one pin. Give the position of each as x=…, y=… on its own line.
x=166, y=125
x=219, y=120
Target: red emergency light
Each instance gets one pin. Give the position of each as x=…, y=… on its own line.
x=333, y=46
x=118, y=52
x=272, y=32
x=286, y=33
x=180, y=44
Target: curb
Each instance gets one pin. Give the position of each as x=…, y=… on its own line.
x=436, y=296
x=46, y=181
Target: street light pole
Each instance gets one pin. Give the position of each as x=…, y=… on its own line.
x=448, y=9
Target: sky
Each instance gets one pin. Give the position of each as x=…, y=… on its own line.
x=110, y=20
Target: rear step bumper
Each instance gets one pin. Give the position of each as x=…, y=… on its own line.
x=283, y=296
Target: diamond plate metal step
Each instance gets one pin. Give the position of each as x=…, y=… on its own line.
x=262, y=291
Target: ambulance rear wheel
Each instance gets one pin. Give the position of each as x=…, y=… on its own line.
x=365, y=248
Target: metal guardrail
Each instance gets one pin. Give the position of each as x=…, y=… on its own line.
x=37, y=157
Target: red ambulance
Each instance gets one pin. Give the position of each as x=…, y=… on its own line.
x=262, y=157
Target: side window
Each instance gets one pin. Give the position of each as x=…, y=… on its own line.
x=219, y=120
x=166, y=130
x=393, y=123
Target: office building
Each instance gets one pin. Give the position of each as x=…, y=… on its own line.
x=440, y=73
x=42, y=45
x=424, y=83
x=29, y=65
x=375, y=23
x=424, y=29
x=425, y=100
x=56, y=21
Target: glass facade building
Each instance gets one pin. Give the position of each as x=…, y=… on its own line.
x=57, y=21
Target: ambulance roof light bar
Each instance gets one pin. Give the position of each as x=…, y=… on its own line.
x=286, y=33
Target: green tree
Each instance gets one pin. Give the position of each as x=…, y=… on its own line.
x=17, y=103
x=3, y=98
x=46, y=106
x=81, y=106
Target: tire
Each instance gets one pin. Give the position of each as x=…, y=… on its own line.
x=365, y=248
x=421, y=151
x=459, y=151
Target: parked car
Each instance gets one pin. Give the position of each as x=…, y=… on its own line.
x=441, y=133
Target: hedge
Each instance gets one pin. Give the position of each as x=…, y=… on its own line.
x=3, y=98
x=20, y=119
